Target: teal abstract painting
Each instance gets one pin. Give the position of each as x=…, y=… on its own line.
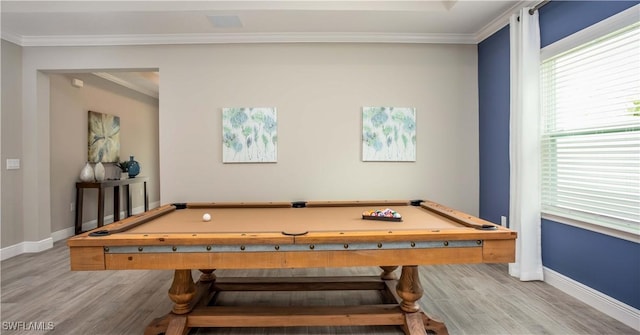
x=249, y=135
x=389, y=134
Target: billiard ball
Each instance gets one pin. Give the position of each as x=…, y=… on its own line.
x=206, y=217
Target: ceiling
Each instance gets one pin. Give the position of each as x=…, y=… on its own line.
x=90, y=23
x=65, y=23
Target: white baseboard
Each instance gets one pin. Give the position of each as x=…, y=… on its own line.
x=63, y=234
x=26, y=247
x=30, y=247
x=11, y=251
x=618, y=310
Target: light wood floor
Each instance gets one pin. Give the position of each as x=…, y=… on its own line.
x=471, y=299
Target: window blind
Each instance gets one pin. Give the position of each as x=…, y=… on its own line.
x=591, y=132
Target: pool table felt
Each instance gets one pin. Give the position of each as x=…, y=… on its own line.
x=290, y=220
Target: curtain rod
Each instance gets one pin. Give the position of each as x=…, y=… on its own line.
x=538, y=6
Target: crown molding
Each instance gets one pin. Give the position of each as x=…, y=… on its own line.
x=175, y=39
x=501, y=21
x=13, y=38
x=138, y=88
x=49, y=6
x=239, y=38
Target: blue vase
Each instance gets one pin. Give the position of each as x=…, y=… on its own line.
x=134, y=167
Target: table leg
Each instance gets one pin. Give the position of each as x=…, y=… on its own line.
x=182, y=291
x=116, y=203
x=170, y=324
x=178, y=326
x=192, y=310
x=127, y=199
x=186, y=296
x=100, y=207
x=146, y=198
x=388, y=294
x=207, y=280
x=207, y=275
x=79, y=198
x=435, y=326
x=388, y=273
x=410, y=291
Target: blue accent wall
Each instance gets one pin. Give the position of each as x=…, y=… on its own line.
x=608, y=264
x=493, y=99
x=559, y=19
x=604, y=263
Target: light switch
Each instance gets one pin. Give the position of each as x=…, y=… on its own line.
x=13, y=164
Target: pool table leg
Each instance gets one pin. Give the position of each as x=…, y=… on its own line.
x=207, y=275
x=182, y=291
x=389, y=294
x=186, y=295
x=410, y=291
x=388, y=273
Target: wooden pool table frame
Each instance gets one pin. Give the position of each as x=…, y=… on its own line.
x=476, y=241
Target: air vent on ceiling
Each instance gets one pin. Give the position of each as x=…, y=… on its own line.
x=225, y=21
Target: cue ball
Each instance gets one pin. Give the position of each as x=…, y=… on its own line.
x=206, y=217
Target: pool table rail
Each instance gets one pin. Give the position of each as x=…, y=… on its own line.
x=347, y=237
x=119, y=249
x=106, y=258
x=126, y=224
x=352, y=203
x=255, y=204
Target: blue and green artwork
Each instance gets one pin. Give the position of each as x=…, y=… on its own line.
x=389, y=134
x=249, y=135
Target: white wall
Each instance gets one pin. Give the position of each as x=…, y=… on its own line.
x=318, y=90
x=12, y=231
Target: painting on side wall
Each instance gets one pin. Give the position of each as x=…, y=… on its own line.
x=104, y=138
x=389, y=134
x=249, y=135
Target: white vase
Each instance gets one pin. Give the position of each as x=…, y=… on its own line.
x=99, y=171
x=86, y=174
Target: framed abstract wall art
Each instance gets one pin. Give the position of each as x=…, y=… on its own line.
x=389, y=134
x=249, y=135
x=104, y=138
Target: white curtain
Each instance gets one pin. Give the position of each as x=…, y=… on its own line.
x=524, y=145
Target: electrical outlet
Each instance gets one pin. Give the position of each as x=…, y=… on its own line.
x=72, y=207
x=503, y=221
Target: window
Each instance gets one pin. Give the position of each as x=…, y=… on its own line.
x=591, y=131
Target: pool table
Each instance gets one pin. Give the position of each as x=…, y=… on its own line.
x=263, y=235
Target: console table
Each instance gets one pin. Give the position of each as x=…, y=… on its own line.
x=101, y=186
